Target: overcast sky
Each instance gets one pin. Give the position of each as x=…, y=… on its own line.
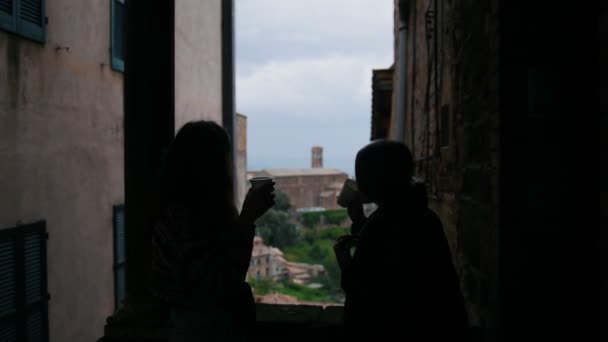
x=303, y=72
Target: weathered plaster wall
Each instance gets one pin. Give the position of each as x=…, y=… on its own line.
x=198, y=61
x=61, y=159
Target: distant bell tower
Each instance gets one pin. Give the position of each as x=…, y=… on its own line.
x=317, y=157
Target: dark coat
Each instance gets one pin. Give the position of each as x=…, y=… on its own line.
x=401, y=282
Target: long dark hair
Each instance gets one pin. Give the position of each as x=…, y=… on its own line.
x=197, y=173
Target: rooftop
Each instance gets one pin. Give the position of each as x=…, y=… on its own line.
x=300, y=172
x=260, y=249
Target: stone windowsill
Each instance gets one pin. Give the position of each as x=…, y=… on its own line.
x=299, y=314
x=267, y=314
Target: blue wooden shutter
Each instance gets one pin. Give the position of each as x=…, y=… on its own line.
x=117, y=34
x=31, y=21
x=120, y=267
x=8, y=10
x=8, y=287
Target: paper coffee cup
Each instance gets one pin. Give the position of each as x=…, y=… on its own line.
x=348, y=193
x=257, y=182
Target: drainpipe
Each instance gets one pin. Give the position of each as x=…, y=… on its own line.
x=228, y=92
x=402, y=70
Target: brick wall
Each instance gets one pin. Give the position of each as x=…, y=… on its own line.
x=305, y=191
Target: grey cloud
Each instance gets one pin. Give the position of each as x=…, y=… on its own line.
x=303, y=77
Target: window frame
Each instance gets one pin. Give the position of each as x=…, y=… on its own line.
x=119, y=264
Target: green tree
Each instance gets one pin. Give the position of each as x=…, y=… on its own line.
x=281, y=201
x=317, y=254
x=277, y=228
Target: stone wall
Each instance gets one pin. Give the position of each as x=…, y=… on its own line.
x=305, y=191
x=241, y=159
x=452, y=128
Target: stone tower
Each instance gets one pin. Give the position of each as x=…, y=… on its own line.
x=317, y=157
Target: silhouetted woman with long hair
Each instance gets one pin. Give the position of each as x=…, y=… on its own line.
x=201, y=245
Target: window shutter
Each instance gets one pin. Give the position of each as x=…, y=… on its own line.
x=120, y=276
x=117, y=35
x=36, y=296
x=35, y=327
x=8, y=285
x=33, y=267
x=8, y=9
x=32, y=21
x=23, y=284
x=8, y=331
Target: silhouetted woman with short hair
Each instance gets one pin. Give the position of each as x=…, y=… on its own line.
x=201, y=245
x=400, y=283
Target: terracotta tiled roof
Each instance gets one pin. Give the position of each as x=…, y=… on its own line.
x=276, y=298
x=275, y=251
x=259, y=248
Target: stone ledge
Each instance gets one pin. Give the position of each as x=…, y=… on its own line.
x=128, y=332
x=288, y=313
x=277, y=313
x=267, y=314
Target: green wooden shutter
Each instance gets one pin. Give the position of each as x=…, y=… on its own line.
x=8, y=331
x=31, y=21
x=8, y=10
x=23, y=284
x=34, y=251
x=35, y=327
x=117, y=34
x=120, y=266
x=8, y=287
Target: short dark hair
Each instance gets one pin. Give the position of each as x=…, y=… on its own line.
x=384, y=169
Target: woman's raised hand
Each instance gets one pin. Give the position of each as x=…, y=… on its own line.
x=257, y=202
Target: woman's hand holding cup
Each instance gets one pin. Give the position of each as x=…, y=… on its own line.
x=259, y=199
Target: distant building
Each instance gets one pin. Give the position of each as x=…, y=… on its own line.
x=241, y=159
x=266, y=261
x=317, y=157
x=308, y=188
x=269, y=262
x=276, y=298
x=303, y=274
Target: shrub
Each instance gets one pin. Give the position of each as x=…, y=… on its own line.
x=313, y=219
